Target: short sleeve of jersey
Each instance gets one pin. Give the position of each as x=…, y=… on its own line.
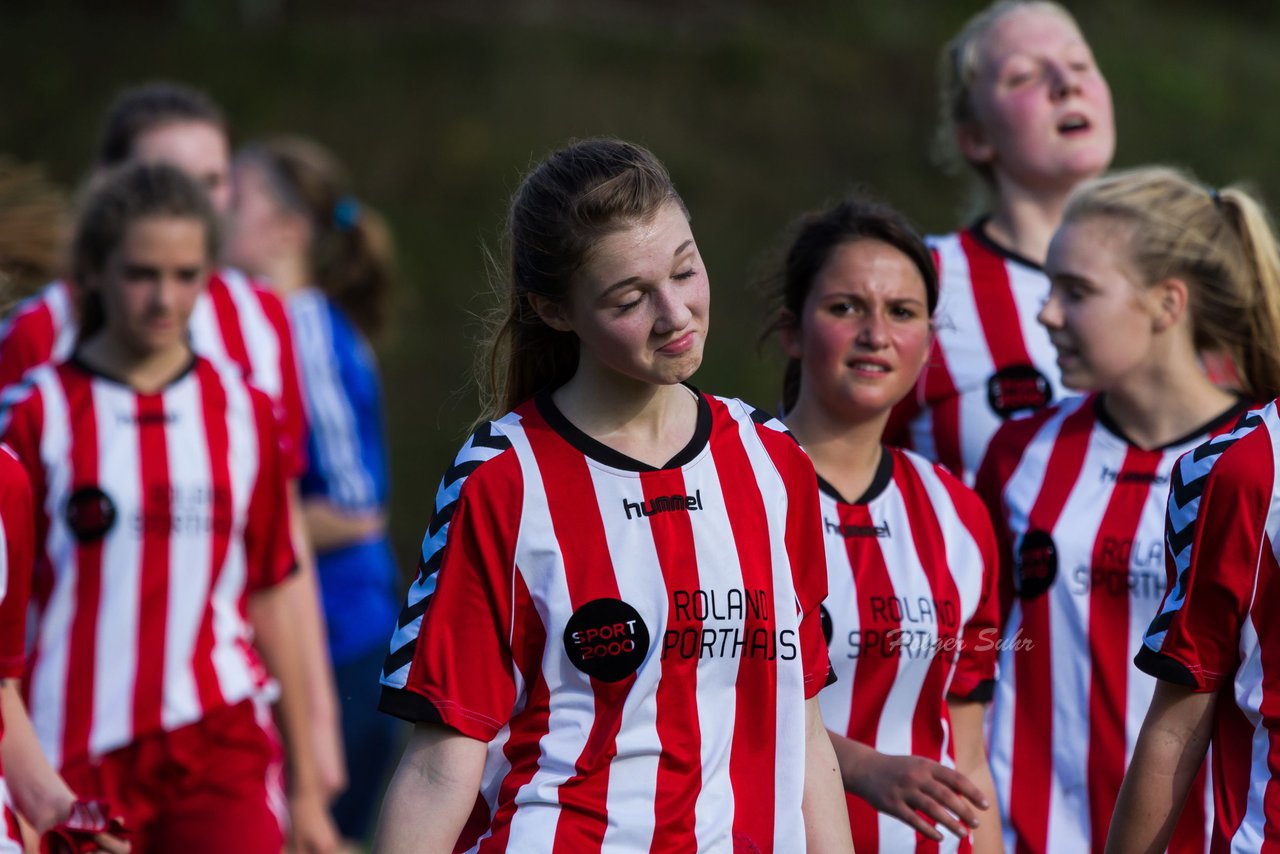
x=975, y=672
x=26, y=340
x=1194, y=639
x=17, y=527
x=462, y=673
x=806, y=552
x=268, y=544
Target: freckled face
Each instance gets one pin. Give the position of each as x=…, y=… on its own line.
x=640, y=304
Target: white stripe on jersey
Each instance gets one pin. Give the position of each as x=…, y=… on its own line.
x=117, y=620
x=329, y=411
x=49, y=676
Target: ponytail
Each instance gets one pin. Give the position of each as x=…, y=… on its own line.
x=1260, y=344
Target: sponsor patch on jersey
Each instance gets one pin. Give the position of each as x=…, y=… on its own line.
x=827, y=628
x=1018, y=388
x=606, y=639
x=90, y=514
x=1037, y=565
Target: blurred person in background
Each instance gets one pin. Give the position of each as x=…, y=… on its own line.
x=297, y=227
x=1026, y=107
x=1147, y=268
x=234, y=320
x=911, y=613
x=163, y=550
x=34, y=220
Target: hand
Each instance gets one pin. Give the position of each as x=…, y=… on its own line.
x=906, y=786
x=312, y=829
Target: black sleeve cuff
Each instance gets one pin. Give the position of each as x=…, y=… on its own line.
x=831, y=676
x=1163, y=667
x=408, y=706
x=982, y=692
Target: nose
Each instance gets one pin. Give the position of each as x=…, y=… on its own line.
x=873, y=333
x=1050, y=315
x=672, y=313
x=1064, y=80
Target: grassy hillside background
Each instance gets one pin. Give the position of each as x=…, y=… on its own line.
x=761, y=110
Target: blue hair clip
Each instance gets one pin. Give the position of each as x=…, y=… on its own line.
x=346, y=213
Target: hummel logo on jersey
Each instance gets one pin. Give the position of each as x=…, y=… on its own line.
x=663, y=504
x=1113, y=476
x=850, y=531
x=142, y=419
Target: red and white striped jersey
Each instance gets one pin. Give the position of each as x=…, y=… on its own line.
x=1080, y=514
x=234, y=320
x=912, y=611
x=1217, y=628
x=991, y=359
x=17, y=533
x=635, y=644
x=156, y=516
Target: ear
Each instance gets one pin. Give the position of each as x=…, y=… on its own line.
x=789, y=334
x=1170, y=299
x=973, y=143
x=551, y=312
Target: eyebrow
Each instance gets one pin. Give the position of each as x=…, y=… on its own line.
x=630, y=280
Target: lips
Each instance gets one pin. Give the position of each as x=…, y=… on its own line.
x=869, y=366
x=1074, y=123
x=681, y=345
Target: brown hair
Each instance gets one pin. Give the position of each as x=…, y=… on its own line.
x=957, y=72
x=1220, y=242
x=817, y=235
x=351, y=256
x=144, y=108
x=34, y=226
x=133, y=193
x=563, y=207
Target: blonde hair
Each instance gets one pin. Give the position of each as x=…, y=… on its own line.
x=34, y=229
x=957, y=71
x=1220, y=242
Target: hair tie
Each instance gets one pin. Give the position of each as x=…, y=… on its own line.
x=1217, y=198
x=346, y=213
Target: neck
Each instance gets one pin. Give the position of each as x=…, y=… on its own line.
x=1023, y=221
x=647, y=422
x=144, y=372
x=846, y=453
x=286, y=274
x=1165, y=403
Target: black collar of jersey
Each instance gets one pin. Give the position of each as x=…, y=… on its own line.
x=979, y=232
x=602, y=453
x=879, y=481
x=78, y=360
x=1227, y=416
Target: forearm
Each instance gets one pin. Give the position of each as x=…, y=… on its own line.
x=39, y=794
x=331, y=528
x=972, y=762
x=432, y=793
x=1169, y=752
x=826, y=817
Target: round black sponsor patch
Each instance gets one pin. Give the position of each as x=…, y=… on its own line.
x=1018, y=388
x=606, y=639
x=1037, y=565
x=90, y=514
x=827, y=628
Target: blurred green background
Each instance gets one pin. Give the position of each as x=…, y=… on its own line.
x=761, y=110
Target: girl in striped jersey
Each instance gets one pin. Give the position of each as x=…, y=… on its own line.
x=615, y=637
x=911, y=559
x=1025, y=106
x=329, y=257
x=162, y=535
x=1146, y=268
x=28, y=783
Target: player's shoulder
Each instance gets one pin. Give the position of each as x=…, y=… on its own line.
x=1236, y=458
x=963, y=498
x=240, y=286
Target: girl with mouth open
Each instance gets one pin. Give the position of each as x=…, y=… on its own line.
x=1026, y=107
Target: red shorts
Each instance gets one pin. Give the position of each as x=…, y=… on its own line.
x=209, y=787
